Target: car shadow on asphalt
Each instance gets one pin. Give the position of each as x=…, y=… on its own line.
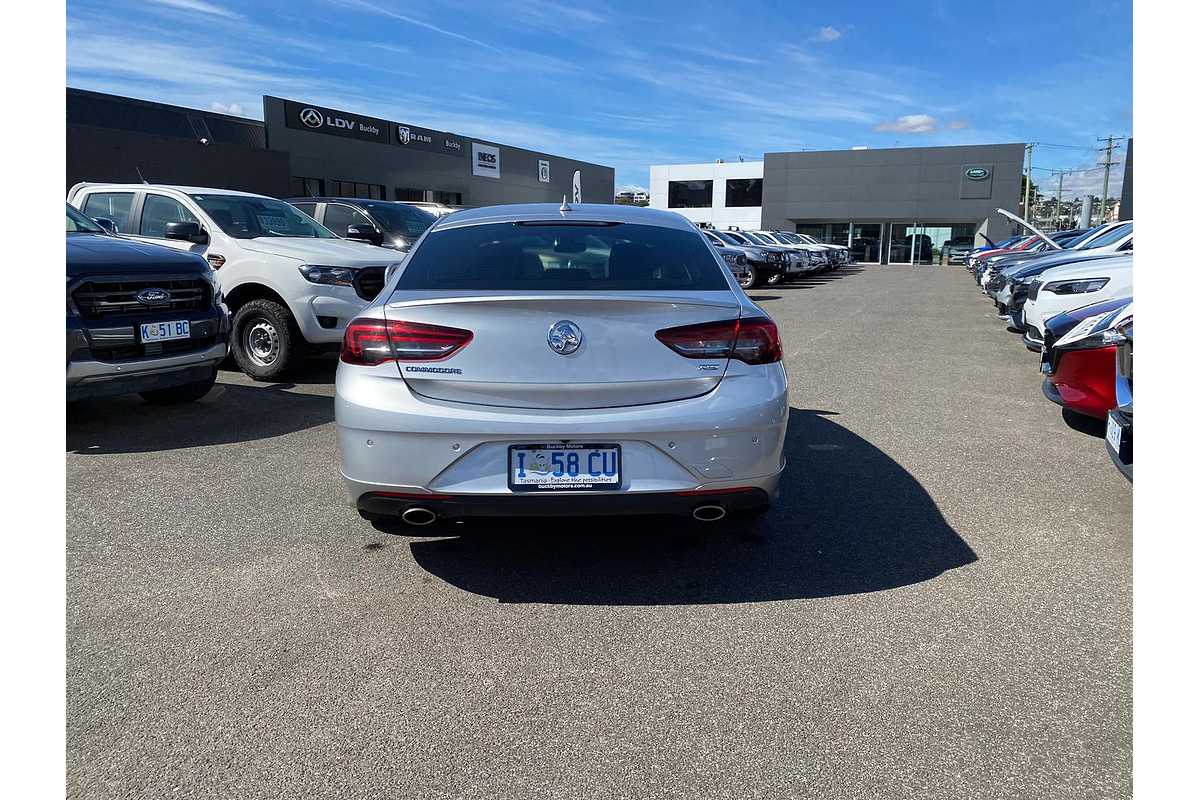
x=849, y=520
x=229, y=413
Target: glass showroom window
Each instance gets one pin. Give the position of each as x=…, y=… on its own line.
x=743, y=193
x=689, y=194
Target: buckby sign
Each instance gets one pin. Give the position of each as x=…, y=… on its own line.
x=485, y=160
x=318, y=119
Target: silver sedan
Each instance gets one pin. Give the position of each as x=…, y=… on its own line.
x=558, y=360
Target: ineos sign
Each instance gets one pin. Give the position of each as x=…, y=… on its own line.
x=485, y=160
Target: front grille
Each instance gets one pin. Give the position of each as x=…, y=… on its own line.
x=1034, y=288
x=127, y=351
x=98, y=297
x=368, y=282
x=996, y=283
x=1033, y=334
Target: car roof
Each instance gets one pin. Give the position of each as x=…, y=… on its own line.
x=324, y=199
x=170, y=187
x=583, y=212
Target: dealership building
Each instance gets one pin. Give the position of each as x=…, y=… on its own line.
x=890, y=205
x=304, y=149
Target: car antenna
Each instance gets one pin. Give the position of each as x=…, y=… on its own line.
x=141, y=177
x=564, y=208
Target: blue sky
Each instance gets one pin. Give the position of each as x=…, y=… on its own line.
x=630, y=84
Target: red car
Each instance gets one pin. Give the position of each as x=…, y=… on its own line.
x=1081, y=373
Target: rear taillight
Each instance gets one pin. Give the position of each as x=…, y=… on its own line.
x=374, y=341
x=754, y=340
x=758, y=341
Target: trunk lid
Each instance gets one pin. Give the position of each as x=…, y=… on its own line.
x=509, y=362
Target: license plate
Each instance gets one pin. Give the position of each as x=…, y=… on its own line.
x=1113, y=433
x=165, y=331
x=564, y=467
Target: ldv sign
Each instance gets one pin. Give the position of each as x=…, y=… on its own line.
x=336, y=123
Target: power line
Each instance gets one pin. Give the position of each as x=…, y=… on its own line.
x=1050, y=169
x=1072, y=146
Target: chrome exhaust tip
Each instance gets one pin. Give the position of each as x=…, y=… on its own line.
x=708, y=513
x=418, y=516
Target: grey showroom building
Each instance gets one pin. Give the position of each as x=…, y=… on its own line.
x=890, y=205
x=304, y=149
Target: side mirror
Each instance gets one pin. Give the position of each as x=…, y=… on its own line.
x=186, y=232
x=107, y=224
x=365, y=233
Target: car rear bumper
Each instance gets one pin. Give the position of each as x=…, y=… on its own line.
x=392, y=440
x=567, y=504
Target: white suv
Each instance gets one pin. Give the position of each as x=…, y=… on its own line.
x=287, y=280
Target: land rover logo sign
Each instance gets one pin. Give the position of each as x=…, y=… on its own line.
x=312, y=118
x=543, y=171
x=978, y=173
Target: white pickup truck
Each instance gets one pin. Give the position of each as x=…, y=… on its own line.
x=288, y=281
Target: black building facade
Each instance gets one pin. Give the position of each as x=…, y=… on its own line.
x=119, y=139
x=304, y=149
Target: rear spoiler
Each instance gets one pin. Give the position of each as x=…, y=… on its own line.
x=1029, y=227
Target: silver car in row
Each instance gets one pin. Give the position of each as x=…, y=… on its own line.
x=559, y=360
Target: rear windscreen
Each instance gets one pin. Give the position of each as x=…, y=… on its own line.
x=532, y=256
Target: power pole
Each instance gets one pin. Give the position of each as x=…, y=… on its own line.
x=1107, y=164
x=1058, y=200
x=1028, y=177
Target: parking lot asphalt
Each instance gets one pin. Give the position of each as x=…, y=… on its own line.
x=938, y=605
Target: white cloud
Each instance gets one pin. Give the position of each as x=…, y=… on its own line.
x=237, y=109
x=828, y=34
x=958, y=124
x=1086, y=180
x=910, y=123
x=200, y=7
x=717, y=53
x=387, y=12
